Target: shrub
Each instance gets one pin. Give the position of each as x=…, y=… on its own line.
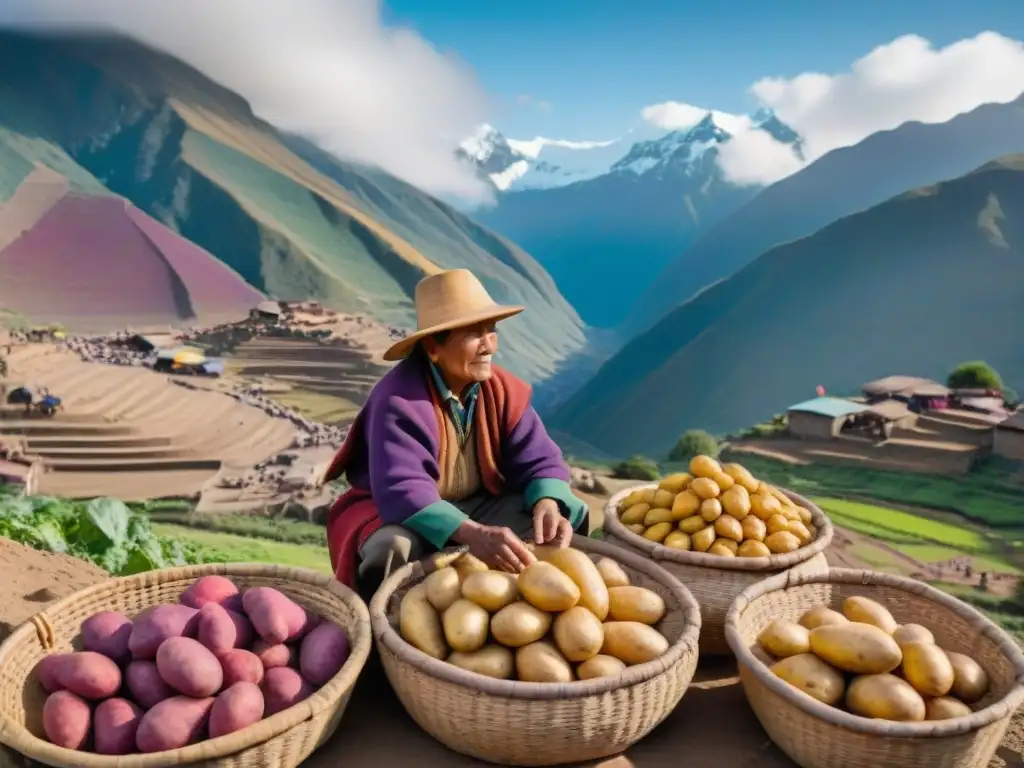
x=694, y=443
x=974, y=375
x=636, y=468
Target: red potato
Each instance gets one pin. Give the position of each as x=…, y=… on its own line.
x=212, y=589
x=323, y=652
x=46, y=671
x=66, y=720
x=159, y=623
x=220, y=630
x=88, y=674
x=189, y=668
x=114, y=726
x=236, y=708
x=278, y=655
x=275, y=616
x=107, y=632
x=146, y=685
x=283, y=687
x=173, y=723
x=241, y=666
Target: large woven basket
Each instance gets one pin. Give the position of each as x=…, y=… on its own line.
x=515, y=723
x=816, y=735
x=715, y=580
x=280, y=741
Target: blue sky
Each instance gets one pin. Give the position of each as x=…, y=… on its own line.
x=599, y=62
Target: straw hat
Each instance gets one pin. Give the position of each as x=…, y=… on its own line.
x=451, y=299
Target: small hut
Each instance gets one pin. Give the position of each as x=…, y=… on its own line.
x=822, y=417
x=1009, y=437
x=919, y=394
x=266, y=312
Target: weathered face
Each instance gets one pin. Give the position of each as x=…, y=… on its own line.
x=465, y=354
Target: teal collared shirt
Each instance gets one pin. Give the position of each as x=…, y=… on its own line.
x=460, y=410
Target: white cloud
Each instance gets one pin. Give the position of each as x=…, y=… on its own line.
x=526, y=100
x=676, y=116
x=328, y=69
x=905, y=80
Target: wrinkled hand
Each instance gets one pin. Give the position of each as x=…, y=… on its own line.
x=499, y=547
x=550, y=527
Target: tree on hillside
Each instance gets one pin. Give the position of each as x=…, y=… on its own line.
x=694, y=443
x=975, y=374
x=637, y=468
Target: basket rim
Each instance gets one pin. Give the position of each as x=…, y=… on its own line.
x=19, y=738
x=771, y=563
x=387, y=636
x=994, y=712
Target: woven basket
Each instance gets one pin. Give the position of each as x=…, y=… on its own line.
x=715, y=580
x=281, y=741
x=819, y=736
x=515, y=723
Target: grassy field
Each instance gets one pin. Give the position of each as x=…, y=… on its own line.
x=326, y=409
x=248, y=549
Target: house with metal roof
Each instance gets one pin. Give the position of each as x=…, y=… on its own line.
x=822, y=417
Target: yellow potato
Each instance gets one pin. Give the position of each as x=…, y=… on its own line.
x=728, y=527
x=703, y=539
x=658, y=515
x=468, y=564
x=705, y=488
x=678, y=540
x=541, y=662
x=599, y=666
x=862, y=649
x=805, y=515
x=658, y=532
x=783, y=499
x=585, y=575
x=723, y=481
x=465, y=626
x=647, y=495
x=633, y=642
x=637, y=528
x=799, y=530
x=578, y=633
x=635, y=513
x=912, y=633
x=704, y=466
x=722, y=549
x=520, y=623
x=945, y=708
x=729, y=544
x=663, y=498
x=812, y=676
x=764, y=506
x=492, y=660
x=633, y=497
x=885, y=697
x=635, y=604
x=822, y=616
x=612, y=573
x=927, y=668
x=781, y=542
x=783, y=638
x=692, y=524
x=754, y=528
x=443, y=588
x=776, y=523
x=710, y=510
x=868, y=611
x=546, y=587
x=970, y=681
x=675, y=483
x=741, y=475
x=791, y=514
x=753, y=548
x=491, y=590
x=420, y=625
x=686, y=503
x=736, y=502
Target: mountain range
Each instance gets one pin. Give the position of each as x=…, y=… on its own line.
x=115, y=118
x=642, y=209
x=914, y=285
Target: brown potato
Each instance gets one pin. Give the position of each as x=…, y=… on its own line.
x=635, y=604
x=600, y=666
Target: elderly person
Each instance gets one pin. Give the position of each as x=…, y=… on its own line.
x=448, y=450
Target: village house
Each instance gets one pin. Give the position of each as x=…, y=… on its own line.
x=266, y=312
x=831, y=417
x=919, y=394
x=1009, y=438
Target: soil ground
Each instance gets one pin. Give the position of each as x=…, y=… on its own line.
x=712, y=727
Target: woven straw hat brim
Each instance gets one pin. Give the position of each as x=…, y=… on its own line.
x=401, y=349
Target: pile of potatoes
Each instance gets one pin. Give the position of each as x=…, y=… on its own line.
x=212, y=664
x=563, y=618
x=719, y=509
x=863, y=659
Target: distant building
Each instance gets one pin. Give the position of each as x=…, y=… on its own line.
x=1009, y=438
x=266, y=312
x=919, y=394
x=822, y=417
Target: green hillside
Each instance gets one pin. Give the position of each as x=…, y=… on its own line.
x=915, y=285
x=115, y=117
